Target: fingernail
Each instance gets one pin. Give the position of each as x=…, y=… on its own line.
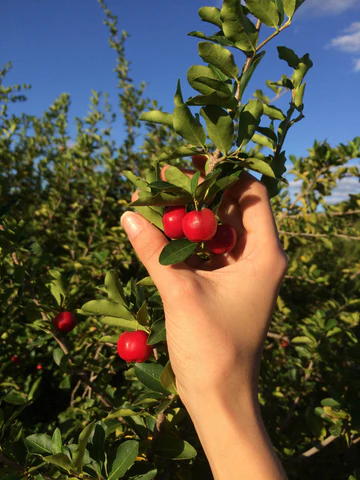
x=132, y=224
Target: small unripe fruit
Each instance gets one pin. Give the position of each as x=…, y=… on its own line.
x=172, y=222
x=199, y=226
x=65, y=322
x=223, y=241
x=133, y=347
x=15, y=359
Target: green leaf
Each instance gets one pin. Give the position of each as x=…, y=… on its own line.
x=15, y=398
x=107, y=307
x=215, y=98
x=302, y=340
x=188, y=127
x=158, y=332
x=149, y=375
x=289, y=56
x=336, y=429
x=56, y=445
x=220, y=127
x=34, y=390
x=315, y=423
x=299, y=95
x=122, y=323
x=264, y=10
x=210, y=15
x=330, y=402
x=203, y=187
x=114, y=289
x=96, y=443
x=259, y=166
x=220, y=185
x=245, y=77
x=273, y=112
x=177, y=251
x=204, y=80
x=183, y=151
x=39, y=443
x=151, y=215
x=220, y=57
x=249, y=120
x=268, y=133
x=290, y=6
x=162, y=199
x=60, y=460
x=265, y=142
x=58, y=355
x=217, y=38
x=175, y=176
x=237, y=27
x=174, y=448
x=280, y=8
x=305, y=64
x=78, y=454
x=194, y=182
x=143, y=315
x=148, y=398
x=138, y=182
x=156, y=116
x=56, y=286
x=146, y=282
x=167, y=379
x=178, y=98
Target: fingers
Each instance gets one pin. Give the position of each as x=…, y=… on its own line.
x=148, y=242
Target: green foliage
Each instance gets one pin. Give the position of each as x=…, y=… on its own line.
x=87, y=414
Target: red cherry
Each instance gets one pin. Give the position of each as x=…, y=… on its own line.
x=224, y=240
x=133, y=347
x=39, y=367
x=172, y=221
x=199, y=226
x=15, y=359
x=284, y=343
x=199, y=162
x=65, y=322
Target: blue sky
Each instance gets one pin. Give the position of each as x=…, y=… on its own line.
x=62, y=46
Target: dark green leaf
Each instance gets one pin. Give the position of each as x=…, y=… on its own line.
x=162, y=198
x=202, y=188
x=149, y=375
x=220, y=127
x=177, y=251
x=217, y=38
x=215, y=98
x=237, y=27
x=39, y=443
x=220, y=57
x=268, y=133
x=78, y=454
x=289, y=56
x=114, y=289
x=60, y=460
x=174, y=448
x=183, y=151
x=158, y=332
x=249, y=120
x=14, y=398
x=143, y=315
x=125, y=457
x=204, y=80
x=246, y=76
x=330, y=402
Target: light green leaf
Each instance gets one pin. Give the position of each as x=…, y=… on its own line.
x=58, y=355
x=302, y=339
x=265, y=142
x=175, y=176
x=125, y=457
x=220, y=57
x=138, y=182
x=273, y=112
x=167, y=379
x=122, y=323
x=162, y=199
x=39, y=443
x=60, y=460
x=151, y=215
x=114, y=289
x=156, y=116
x=107, y=307
x=188, y=127
x=78, y=454
x=56, y=287
x=264, y=10
x=290, y=6
x=210, y=15
x=259, y=166
x=146, y=282
x=220, y=127
x=204, y=80
x=237, y=27
x=56, y=446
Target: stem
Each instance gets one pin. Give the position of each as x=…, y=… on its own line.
x=287, y=24
x=319, y=446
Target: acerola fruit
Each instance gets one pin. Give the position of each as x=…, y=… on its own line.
x=284, y=343
x=133, y=347
x=172, y=221
x=199, y=226
x=65, y=322
x=15, y=359
x=223, y=241
x=39, y=367
x=199, y=162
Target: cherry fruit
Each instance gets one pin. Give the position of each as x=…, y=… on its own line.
x=172, y=222
x=133, y=347
x=65, y=322
x=223, y=241
x=199, y=226
x=199, y=162
x=15, y=359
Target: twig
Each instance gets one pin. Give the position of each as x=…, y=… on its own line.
x=319, y=446
x=287, y=24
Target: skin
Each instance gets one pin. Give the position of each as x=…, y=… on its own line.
x=216, y=328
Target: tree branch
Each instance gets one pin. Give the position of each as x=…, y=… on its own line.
x=319, y=446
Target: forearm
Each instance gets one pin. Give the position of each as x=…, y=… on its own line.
x=234, y=438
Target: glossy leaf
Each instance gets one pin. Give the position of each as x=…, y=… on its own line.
x=264, y=10
x=210, y=15
x=174, y=448
x=259, y=166
x=176, y=177
x=188, y=127
x=177, y=251
x=237, y=27
x=220, y=57
x=167, y=379
x=158, y=332
x=273, y=112
x=219, y=126
x=107, y=307
x=149, y=375
x=60, y=460
x=113, y=287
x=125, y=457
x=204, y=80
x=249, y=120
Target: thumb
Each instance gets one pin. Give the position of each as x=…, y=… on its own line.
x=148, y=242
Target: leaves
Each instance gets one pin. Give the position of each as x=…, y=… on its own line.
x=108, y=308
x=211, y=15
x=177, y=251
x=219, y=57
x=167, y=379
x=114, y=288
x=204, y=80
x=237, y=27
x=175, y=176
x=125, y=457
x=157, y=116
x=78, y=454
x=174, y=448
x=246, y=76
x=188, y=127
x=158, y=332
x=264, y=10
x=149, y=375
x=39, y=443
x=249, y=120
x=220, y=127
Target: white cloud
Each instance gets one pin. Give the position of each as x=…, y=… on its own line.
x=349, y=42
x=330, y=7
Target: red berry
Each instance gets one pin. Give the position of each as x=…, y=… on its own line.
x=15, y=359
x=199, y=226
x=39, y=367
x=172, y=221
x=199, y=162
x=224, y=240
x=284, y=343
x=65, y=322
x=133, y=347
